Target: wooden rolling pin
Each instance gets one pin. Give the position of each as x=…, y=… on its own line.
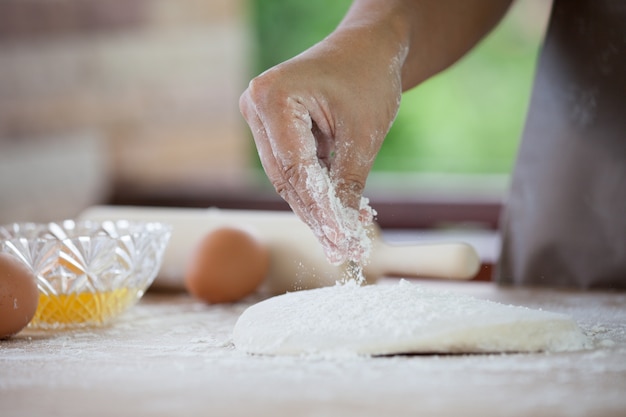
x=297, y=258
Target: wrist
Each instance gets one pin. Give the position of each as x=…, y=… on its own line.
x=380, y=32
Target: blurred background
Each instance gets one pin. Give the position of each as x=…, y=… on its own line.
x=136, y=102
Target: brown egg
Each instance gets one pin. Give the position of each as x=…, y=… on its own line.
x=18, y=295
x=228, y=264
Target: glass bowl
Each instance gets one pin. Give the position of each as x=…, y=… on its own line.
x=87, y=272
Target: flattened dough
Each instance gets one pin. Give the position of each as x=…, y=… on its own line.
x=396, y=319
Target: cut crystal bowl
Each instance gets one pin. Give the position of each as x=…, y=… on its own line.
x=87, y=272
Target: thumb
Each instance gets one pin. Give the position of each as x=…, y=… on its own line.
x=351, y=165
x=349, y=170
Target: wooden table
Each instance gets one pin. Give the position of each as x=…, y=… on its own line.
x=172, y=356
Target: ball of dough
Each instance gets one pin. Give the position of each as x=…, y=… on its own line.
x=228, y=264
x=18, y=295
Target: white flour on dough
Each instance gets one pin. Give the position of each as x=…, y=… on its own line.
x=397, y=319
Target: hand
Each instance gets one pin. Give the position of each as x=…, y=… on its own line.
x=318, y=121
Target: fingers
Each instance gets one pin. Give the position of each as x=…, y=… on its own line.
x=288, y=153
x=269, y=160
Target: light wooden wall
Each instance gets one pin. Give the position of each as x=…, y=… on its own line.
x=156, y=80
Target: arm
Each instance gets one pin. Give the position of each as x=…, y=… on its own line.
x=319, y=119
x=434, y=33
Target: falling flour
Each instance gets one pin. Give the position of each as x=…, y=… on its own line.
x=398, y=319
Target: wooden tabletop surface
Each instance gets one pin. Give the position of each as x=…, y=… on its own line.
x=172, y=356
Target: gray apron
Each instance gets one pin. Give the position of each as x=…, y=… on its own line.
x=564, y=223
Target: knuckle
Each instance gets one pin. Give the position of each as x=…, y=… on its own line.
x=256, y=89
x=264, y=88
x=350, y=189
x=245, y=106
x=283, y=189
x=292, y=172
x=311, y=207
x=288, y=180
x=352, y=183
x=293, y=187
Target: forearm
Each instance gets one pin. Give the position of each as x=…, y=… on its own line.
x=427, y=35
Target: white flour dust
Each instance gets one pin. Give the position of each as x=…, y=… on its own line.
x=352, y=238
